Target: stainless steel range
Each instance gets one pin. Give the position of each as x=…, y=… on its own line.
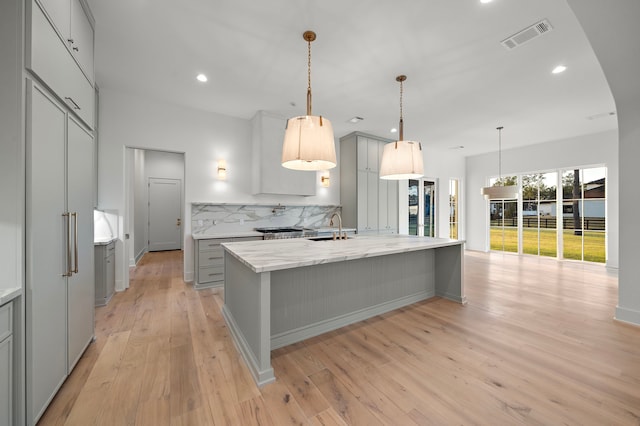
x=278, y=233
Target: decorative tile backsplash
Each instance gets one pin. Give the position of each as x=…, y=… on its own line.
x=222, y=218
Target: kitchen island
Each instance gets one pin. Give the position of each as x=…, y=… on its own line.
x=280, y=292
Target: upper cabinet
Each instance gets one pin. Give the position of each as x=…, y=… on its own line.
x=74, y=24
x=81, y=38
x=369, y=204
x=51, y=61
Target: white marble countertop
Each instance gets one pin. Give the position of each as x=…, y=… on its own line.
x=103, y=241
x=8, y=294
x=238, y=234
x=273, y=255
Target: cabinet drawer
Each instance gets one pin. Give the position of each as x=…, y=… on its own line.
x=211, y=258
x=6, y=317
x=212, y=244
x=212, y=273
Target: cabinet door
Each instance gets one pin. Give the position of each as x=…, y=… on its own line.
x=6, y=382
x=383, y=205
x=373, y=146
x=362, y=153
x=59, y=12
x=362, y=199
x=81, y=285
x=46, y=260
x=110, y=275
x=392, y=206
x=372, y=200
x=52, y=63
x=81, y=39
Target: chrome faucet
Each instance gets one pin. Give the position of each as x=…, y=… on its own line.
x=340, y=236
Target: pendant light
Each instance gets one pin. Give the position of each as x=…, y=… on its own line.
x=401, y=159
x=501, y=191
x=308, y=139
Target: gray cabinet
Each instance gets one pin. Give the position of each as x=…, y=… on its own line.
x=6, y=364
x=209, y=260
x=105, y=255
x=369, y=204
x=59, y=246
x=48, y=58
x=74, y=25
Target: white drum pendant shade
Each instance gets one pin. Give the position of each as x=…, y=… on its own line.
x=500, y=192
x=402, y=160
x=308, y=144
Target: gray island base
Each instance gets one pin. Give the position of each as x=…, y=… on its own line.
x=280, y=292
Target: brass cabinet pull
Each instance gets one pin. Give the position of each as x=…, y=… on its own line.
x=75, y=241
x=67, y=244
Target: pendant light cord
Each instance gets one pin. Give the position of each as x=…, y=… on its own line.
x=401, y=79
x=309, y=76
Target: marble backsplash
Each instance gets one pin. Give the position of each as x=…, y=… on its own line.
x=223, y=218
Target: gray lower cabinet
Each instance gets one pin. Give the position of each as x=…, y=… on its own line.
x=105, y=258
x=6, y=364
x=209, y=260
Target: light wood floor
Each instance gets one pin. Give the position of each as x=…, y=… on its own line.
x=536, y=344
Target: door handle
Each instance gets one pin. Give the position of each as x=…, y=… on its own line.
x=75, y=241
x=178, y=222
x=67, y=244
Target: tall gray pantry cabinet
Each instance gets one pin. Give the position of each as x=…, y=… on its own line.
x=59, y=261
x=59, y=201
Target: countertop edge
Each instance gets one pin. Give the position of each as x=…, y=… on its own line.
x=104, y=242
x=227, y=235
x=9, y=294
x=384, y=251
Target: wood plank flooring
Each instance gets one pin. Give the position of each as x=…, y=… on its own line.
x=536, y=344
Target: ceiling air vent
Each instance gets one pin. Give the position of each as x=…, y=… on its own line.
x=527, y=34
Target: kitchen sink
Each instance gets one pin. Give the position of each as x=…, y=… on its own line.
x=325, y=238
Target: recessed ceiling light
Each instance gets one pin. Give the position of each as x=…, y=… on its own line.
x=201, y=77
x=355, y=119
x=485, y=1
x=559, y=69
x=394, y=130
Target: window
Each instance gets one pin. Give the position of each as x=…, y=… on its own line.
x=453, y=209
x=539, y=235
x=504, y=219
x=559, y=214
x=583, y=214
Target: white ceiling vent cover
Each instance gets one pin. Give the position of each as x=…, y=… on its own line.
x=527, y=34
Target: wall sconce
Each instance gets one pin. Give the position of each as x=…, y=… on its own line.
x=222, y=170
x=325, y=180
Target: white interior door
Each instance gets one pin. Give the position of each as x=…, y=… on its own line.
x=165, y=220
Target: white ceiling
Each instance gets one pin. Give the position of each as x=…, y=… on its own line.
x=462, y=83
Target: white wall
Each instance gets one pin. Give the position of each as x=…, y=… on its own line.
x=128, y=120
x=617, y=51
x=139, y=231
x=588, y=150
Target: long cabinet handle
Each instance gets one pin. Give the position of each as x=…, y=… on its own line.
x=70, y=100
x=75, y=241
x=67, y=243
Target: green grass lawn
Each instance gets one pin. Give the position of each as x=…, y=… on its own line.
x=594, y=244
